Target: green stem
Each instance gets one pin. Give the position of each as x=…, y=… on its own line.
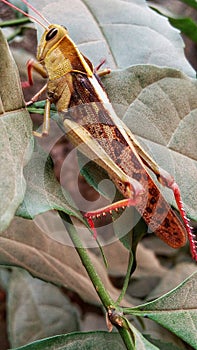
x=126, y=280
x=127, y=338
x=85, y=259
x=15, y=22
x=97, y=283
x=13, y=35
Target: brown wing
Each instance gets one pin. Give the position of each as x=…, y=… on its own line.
x=87, y=109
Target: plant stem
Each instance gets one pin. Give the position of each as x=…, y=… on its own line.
x=97, y=283
x=15, y=22
x=14, y=34
x=126, y=280
x=85, y=259
x=126, y=337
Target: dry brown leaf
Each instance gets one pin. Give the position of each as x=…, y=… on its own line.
x=26, y=246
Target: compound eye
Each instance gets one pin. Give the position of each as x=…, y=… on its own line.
x=51, y=34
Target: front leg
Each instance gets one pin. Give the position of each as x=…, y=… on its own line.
x=33, y=65
x=46, y=122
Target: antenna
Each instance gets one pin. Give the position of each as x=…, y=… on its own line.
x=36, y=11
x=27, y=15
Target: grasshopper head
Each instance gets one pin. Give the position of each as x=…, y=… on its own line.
x=50, y=38
x=59, y=54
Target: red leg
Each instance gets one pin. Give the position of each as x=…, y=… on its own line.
x=91, y=215
x=103, y=71
x=191, y=236
x=33, y=65
x=167, y=180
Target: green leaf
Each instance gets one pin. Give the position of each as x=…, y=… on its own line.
x=173, y=278
x=16, y=137
x=141, y=342
x=79, y=341
x=191, y=3
x=162, y=345
x=123, y=32
x=50, y=310
x=88, y=341
x=186, y=25
x=176, y=310
x=43, y=191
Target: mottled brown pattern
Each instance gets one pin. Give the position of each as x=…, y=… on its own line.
x=86, y=109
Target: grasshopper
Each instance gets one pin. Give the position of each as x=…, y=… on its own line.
x=92, y=124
